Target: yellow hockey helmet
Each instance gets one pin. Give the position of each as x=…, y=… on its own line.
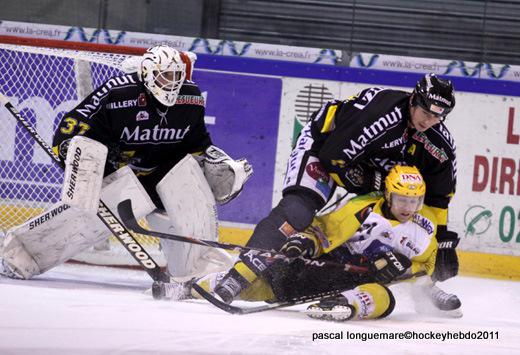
x=405, y=181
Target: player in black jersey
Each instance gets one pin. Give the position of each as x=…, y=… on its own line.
x=133, y=138
x=149, y=120
x=353, y=143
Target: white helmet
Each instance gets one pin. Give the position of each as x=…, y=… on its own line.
x=162, y=71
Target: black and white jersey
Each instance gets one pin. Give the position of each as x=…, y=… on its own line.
x=370, y=130
x=136, y=128
x=433, y=153
x=366, y=130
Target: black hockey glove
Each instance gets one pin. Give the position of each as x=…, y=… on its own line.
x=388, y=266
x=362, y=179
x=301, y=244
x=447, y=262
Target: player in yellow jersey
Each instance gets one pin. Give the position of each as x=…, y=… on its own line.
x=393, y=235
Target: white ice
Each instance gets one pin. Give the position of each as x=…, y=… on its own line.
x=79, y=309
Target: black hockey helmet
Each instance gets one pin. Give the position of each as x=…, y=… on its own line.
x=434, y=95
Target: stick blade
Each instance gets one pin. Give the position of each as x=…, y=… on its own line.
x=126, y=213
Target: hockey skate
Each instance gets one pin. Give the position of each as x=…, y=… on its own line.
x=178, y=291
x=431, y=300
x=173, y=290
x=230, y=286
x=332, y=309
x=444, y=301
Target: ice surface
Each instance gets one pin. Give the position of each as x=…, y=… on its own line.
x=79, y=309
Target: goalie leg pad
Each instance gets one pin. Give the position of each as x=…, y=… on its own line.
x=84, y=168
x=17, y=263
x=191, y=211
x=118, y=186
x=51, y=239
x=123, y=184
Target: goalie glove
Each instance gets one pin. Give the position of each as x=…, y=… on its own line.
x=225, y=176
x=301, y=244
x=388, y=266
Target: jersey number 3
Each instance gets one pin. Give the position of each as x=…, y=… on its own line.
x=71, y=125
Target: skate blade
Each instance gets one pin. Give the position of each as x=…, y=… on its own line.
x=454, y=313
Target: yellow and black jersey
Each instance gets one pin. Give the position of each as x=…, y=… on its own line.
x=359, y=228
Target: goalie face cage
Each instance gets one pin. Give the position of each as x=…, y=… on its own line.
x=44, y=83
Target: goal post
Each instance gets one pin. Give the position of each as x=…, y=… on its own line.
x=44, y=79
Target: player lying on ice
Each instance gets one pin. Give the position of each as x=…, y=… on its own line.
x=393, y=235
x=128, y=140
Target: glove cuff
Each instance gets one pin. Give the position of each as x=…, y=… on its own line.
x=444, y=234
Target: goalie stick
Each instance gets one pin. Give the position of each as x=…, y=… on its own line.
x=277, y=305
x=107, y=217
x=127, y=215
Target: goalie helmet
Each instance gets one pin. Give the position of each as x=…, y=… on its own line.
x=405, y=184
x=162, y=72
x=434, y=95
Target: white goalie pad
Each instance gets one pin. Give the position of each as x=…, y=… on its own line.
x=191, y=210
x=51, y=239
x=123, y=184
x=65, y=231
x=118, y=186
x=84, y=167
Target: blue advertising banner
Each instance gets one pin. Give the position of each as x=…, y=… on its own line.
x=242, y=114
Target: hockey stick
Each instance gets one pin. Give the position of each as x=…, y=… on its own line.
x=277, y=305
x=127, y=215
x=107, y=217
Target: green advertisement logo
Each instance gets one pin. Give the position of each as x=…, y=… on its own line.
x=477, y=220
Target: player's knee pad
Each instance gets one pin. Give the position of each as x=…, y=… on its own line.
x=299, y=209
x=371, y=301
x=122, y=184
x=293, y=214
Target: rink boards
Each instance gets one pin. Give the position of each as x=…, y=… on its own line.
x=255, y=108
x=485, y=124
